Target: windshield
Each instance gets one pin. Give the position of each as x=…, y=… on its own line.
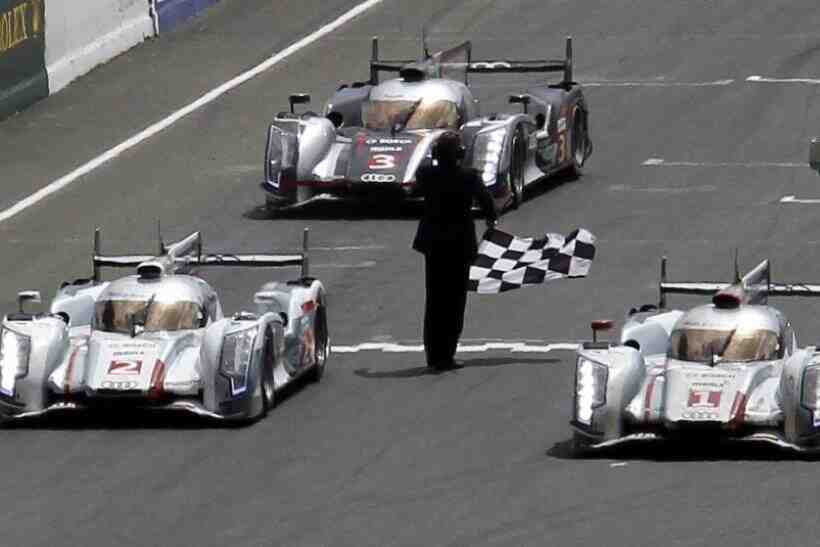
x=422, y=114
x=702, y=344
x=113, y=315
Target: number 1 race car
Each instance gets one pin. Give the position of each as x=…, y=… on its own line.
x=159, y=339
x=373, y=136
x=729, y=370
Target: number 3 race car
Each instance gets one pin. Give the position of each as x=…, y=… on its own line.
x=726, y=370
x=159, y=339
x=373, y=136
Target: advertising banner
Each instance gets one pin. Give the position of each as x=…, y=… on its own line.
x=23, y=78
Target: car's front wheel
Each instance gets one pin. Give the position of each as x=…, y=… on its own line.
x=578, y=143
x=515, y=175
x=322, y=345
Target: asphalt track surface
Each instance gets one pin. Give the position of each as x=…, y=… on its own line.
x=380, y=453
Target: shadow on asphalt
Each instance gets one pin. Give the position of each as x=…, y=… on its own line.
x=373, y=208
x=107, y=418
x=322, y=209
x=415, y=372
x=684, y=451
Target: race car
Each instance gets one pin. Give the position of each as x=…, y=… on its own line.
x=158, y=339
x=374, y=135
x=726, y=371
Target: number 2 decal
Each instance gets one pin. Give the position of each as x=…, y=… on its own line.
x=382, y=161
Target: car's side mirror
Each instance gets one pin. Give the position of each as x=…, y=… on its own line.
x=27, y=296
x=520, y=99
x=298, y=98
x=814, y=154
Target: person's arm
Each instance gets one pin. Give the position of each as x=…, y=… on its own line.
x=422, y=177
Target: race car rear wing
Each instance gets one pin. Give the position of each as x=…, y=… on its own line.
x=491, y=66
x=756, y=286
x=186, y=254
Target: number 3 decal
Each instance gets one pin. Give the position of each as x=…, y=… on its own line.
x=562, y=147
x=382, y=161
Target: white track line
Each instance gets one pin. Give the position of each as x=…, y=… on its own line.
x=513, y=347
x=657, y=83
x=792, y=199
x=660, y=162
x=761, y=79
x=204, y=100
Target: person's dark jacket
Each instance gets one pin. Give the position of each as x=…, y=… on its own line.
x=447, y=222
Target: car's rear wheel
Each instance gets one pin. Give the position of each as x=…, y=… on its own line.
x=515, y=175
x=322, y=343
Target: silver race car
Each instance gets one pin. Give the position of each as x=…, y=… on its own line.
x=373, y=135
x=726, y=370
x=158, y=339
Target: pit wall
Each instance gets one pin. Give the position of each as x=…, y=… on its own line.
x=45, y=44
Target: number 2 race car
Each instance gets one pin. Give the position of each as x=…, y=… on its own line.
x=159, y=339
x=729, y=370
x=373, y=136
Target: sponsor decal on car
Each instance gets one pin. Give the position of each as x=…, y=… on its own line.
x=701, y=398
x=387, y=141
x=382, y=161
x=700, y=415
x=120, y=385
x=378, y=177
x=125, y=367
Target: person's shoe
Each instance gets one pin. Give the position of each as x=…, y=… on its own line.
x=452, y=364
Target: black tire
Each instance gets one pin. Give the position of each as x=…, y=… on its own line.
x=273, y=206
x=267, y=384
x=303, y=193
x=515, y=176
x=580, y=445
x=322, y=343
x=578, y=143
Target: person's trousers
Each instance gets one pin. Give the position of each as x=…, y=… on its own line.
x=446, y=278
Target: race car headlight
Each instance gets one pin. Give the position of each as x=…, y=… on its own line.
x=488, y=149
x=810, y=398
x=14, y=355
x=235, y=362
x=590, y=388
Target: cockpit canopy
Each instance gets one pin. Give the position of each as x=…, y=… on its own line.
x=701, y=345
x=118, y=315
x=747, y=333
x=171, y=303
x=428, y=104
x=384, y=115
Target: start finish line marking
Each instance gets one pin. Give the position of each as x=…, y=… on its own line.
x=660, y=162
x=512, y=347
x=793, y=199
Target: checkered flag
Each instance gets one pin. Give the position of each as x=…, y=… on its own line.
x=506, y=262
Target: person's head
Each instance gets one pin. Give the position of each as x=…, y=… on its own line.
x=448, y=150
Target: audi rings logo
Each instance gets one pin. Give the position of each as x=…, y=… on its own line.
x=120, y=386
x=378, y=177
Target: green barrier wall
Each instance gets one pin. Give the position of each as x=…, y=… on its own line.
x=23, y=78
